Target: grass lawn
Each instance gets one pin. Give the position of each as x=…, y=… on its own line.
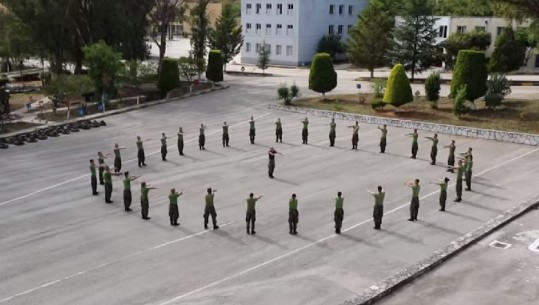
x=514, y=115
x=12, y=127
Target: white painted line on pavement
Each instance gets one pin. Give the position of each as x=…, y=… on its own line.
x=128, y=161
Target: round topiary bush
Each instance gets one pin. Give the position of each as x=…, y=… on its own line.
x=169, y=75
x=398, y=90
x=470, y=71
x=214, y=71
x=432, y=89
x=322, y=76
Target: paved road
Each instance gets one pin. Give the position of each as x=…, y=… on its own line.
x=62, y=246
x=484, y=274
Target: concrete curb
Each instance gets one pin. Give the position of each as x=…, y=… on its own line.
x=115, y=112
x=487, y=134
x=387, y=286
x=445, y=81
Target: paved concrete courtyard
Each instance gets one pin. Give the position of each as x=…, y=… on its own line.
x=60, y=245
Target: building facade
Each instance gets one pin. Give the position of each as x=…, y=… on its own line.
x=291, y=29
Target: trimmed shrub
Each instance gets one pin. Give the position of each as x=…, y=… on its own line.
x=398, y=90
x=498, y=86
x=322, y=76
x=287, y=93
x=169, y=76
x=470, y=71
x=378, y=86
x=459, y=104
x=214, y=71
x=432, y=87
x=377, y=103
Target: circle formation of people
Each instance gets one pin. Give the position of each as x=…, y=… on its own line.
x=104, y=173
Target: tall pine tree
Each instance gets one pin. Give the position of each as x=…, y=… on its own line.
x=414, y=37
x=199, y=28
x=226, y=37
x=509, y=53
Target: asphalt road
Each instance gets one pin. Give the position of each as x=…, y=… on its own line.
x=60, y=245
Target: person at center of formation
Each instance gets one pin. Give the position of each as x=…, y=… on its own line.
x=201, y=137
x=252, y=132
x=144, y=200
x=271, y=161
x=101, y=163
x=378, y=210
x=127, y=191
x=226, y=138
x=164, y=149
x=278, y=131
x=414, y=203
x=443, y=192
x=460, y=173
x=415, y=146
x=140, y=154
x=209, y=209
x=107, y=177
x=451, y=157
x=355, y=135
x=332, y=132
x=173, y=211
x=117, y=158
x=180, y=141
x=434, y=148
x=338, y=215
x=293, y=215
x=305, y=131
x=383, y=139
x=250, y=216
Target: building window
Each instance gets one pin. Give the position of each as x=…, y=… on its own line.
x=442, y=31
x=279, y=9
x=288, y=50
x=258, y=28
x=268, y=8
x=248, y=28
x=278, y=49
x=268, y=29
x=500, y=30
x=289, y=29
x=248, y=47
x=339, y=30
x=331, y=30
x=341, y=9
x=257, y=48
x=258, y=8
x=332, y=9
x=348, y=28
x=461, y=29
x=267, y=47
x=279, y=29
x=248, y=7
x=290, y=9
x=350, y=10
x=480, y=28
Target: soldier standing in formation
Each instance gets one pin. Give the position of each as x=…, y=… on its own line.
x=278, y=131
x=252, y=132
x=271, y=162
x=140, y=154
x=144, y=200
x=117, y=158
x=378, y=211
x=332, y=132
x=338, y=215
x=383, y=139
x=355, y=135
x=209, y=209
x=101, y=163
x=93, y=177
x=415, y=146
x=226, y=138
x=414, y=204
x=164, y=149
x=293, y=215
x=127, y=191
x=458, y=187
x=451, y=158
x=201, y=138
x=180, y=141
x=443, y=192
x=107, y=177
x=173, y=212
x=434, y=148
x=250, y=216
x=305, y=131
x=468, y=172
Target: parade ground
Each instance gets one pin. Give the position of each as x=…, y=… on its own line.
x=61, y=245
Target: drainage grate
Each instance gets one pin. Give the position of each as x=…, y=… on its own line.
x=499, y=245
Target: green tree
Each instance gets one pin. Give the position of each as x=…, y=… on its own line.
x=263, y=57
x=524, y=8
x=103, y=67
x=214, y=72
x=459, y=104
x=169, y=78
x=330, y=44
x=509, y=53
x=463, y=7
x=16, y=43
x=164, y=13
x=200, y=28
x=398, y=91
x=498, y=86
x=371, y=38
x=287, y=94
x=470, y=71
x=432, y=88
x=322, y=76
x=226, y=36
x=414, y=37
x=478, y=40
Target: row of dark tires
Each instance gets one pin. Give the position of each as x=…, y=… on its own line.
x=45, y=133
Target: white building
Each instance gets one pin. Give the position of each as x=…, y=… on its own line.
x=291, y=29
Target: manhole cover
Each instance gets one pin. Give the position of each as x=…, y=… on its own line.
x=499, y=245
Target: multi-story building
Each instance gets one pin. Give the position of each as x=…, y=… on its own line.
x=291, y=29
